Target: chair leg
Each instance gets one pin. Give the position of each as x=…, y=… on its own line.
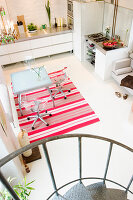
x=63, y=94
x=34, y=123
x=56, y=93
x=34, y=116
x=44, y=121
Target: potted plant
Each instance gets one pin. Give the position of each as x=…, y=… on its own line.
x=47, y=6
x=23, y=190
x=32, y=28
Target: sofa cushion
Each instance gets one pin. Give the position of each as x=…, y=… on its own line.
x=123, y=63
x=123, y=70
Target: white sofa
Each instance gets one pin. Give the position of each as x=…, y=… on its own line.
x=122, y=68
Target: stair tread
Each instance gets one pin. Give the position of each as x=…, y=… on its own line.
x=115, y=194
x=97, y=191
x=59, y=197
x=78, y=192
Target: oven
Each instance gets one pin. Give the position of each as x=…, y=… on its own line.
x=70, y=13
x=70, y=8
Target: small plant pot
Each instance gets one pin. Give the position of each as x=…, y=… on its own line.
x=32, y=31
x=44, y=26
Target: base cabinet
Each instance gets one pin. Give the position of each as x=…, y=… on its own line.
x=20, y=51
x=5, y=60
x=104, y=62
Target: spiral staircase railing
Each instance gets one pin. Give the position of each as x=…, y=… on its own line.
x=44, y=142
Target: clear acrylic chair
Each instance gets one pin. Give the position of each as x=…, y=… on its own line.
x=36, y=109
x=59, y=82
x=29, y=62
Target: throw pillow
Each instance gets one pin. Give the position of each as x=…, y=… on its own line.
x=127, y=82
x=123, y=71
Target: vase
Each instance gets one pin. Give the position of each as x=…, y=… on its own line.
x=39, y=77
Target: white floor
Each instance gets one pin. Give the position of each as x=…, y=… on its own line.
x=116, y=122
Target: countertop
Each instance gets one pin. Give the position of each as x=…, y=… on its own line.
x=42, y=33
x=100, y=47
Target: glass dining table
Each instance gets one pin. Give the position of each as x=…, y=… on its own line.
x=28, y=80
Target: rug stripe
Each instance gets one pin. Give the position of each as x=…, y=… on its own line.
x=64, y=127
x=63, y=123
x=39, y=96
x=55, y=114
x=68, y=129
x=54, y=108
x=59, y=96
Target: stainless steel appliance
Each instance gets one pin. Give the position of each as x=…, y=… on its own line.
x=70, y=13
x=70, y=8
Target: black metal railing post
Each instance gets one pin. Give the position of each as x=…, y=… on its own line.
x=8, y=187
x=108, y=161
x=130, y=182
x=50, y=167
x=80, y=158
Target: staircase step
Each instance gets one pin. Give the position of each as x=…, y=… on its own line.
x=78, y=192
x=115, y=194
x=97, y=191
x=59, y=197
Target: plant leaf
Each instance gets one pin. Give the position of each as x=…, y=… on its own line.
x=30, y=188
x=30, y=183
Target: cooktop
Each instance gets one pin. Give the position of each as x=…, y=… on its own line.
x=98, y=37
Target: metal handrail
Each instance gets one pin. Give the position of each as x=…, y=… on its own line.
x=43, y=142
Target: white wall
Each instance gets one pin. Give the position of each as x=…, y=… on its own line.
x=2, y=78
x=34, y=10
x=124, y=3
x=9, y=144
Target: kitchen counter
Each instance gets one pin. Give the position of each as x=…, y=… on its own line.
x=42, y=33
x=99, y=45
x=41, y=43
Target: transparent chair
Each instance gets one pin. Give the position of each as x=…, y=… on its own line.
x=36, y=109
x=29, y=62
x=59, y=81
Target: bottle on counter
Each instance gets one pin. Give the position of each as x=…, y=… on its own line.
x=55, y=23
x=58, y=22
x=61, y=21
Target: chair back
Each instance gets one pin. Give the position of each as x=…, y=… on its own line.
x=61, y=78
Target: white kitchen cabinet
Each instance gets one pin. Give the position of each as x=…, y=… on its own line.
x=40, y=42
x=3, y=50
x=40, y=52
x=19, y=46
x=104, y=62
x=57, y=39
x=51, y=50
x=100, y=64
x=5, y=60
x=44, y=46
x=60, y=48
x=20, y=56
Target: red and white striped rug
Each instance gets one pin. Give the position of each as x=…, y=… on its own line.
x=69, y=114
